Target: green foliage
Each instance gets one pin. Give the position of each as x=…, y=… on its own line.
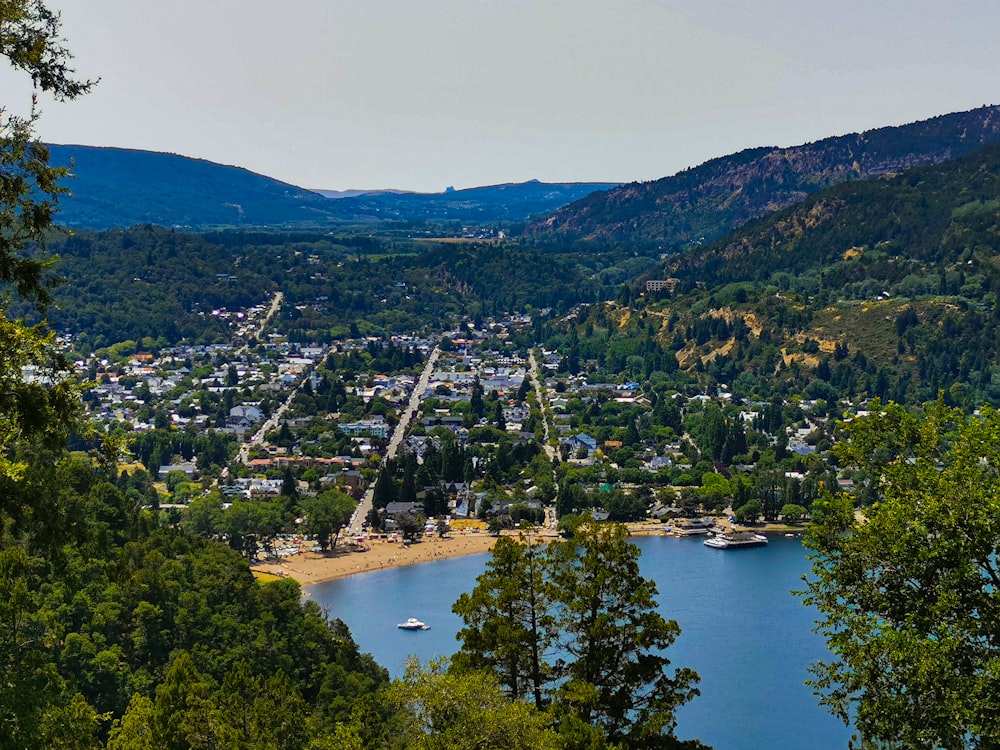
x=326, y=514
x=168, y=617
x=792, y=513
x=464, y=709
x=749, y=512
x=575, y=626
x=908, y=593
x=508, y=621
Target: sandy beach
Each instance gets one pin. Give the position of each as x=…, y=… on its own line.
x=378, y=554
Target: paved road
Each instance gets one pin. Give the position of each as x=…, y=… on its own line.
x=543, y=405
x=243, y=453
x=279, y=297
x=272, y=422
x=364, y=508
x=550, y=450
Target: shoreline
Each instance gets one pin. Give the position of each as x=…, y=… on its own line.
x=381, y=554
x=308, y=568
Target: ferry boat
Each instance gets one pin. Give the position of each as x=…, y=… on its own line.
x=413, y=624
x=694, y=527
x=736, y=540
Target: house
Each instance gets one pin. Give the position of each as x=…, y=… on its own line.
x=582, y=440
x=395, y=508
x=374, y=427
x=658, y=462
x=452, y=423
x=241, y=418
x=188, y=468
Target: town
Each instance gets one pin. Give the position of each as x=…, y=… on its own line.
x=260, y=438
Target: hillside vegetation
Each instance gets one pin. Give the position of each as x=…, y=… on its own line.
x=117, y=187
x=706, y=202
x=884, y=288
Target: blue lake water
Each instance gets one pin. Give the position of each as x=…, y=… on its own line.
x=742, y=630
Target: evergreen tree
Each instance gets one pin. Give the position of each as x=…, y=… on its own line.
x=575, y=627
x=385, y=491
x=508, y=621
x=614, y=674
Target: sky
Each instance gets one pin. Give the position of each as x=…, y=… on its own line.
x=426, y=94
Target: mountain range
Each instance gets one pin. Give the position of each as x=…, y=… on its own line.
x=116, y=187
x=701, y=204
x=123, y=187
x=894, y=280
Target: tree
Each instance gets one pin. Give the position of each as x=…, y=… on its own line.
x=289, y=485
x=326, y=514
x=37, y=708
x=410, y=523
x=203, y=516
x=476, y=405
x=385, y=491
x=247, y=523
x=454, y=710
x=909, y=596
x=615, y=672
x=576, y=626
x=714, y=489
x=749, y=512
x=792, y=512
x=43, y=407
x=508, y=620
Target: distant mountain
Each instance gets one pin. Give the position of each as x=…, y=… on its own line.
x=122, y=187
x=337, y=194
x=706, y=202
x=900, y=272
x=114, y=187
x=509, y=202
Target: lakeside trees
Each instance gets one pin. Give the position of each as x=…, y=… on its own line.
x=574, y=627
x=113, y=630
x=910, y=594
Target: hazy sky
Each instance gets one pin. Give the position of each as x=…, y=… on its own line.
x=425, y=94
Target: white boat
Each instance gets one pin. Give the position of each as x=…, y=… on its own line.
x=413, y=624
x=736, y=540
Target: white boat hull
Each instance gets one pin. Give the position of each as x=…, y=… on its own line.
x=736, y=540
x=413, y=624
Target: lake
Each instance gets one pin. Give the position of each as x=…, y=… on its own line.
x=741, y=630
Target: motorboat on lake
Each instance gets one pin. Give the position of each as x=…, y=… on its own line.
x=413, y=624
x=736, y=540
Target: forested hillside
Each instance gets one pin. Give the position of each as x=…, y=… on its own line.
x=116, y=187
x=152, y=283
x=113, y=187
x=885, y=288
x=706, y=202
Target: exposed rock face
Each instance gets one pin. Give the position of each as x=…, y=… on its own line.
x=708, y=201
